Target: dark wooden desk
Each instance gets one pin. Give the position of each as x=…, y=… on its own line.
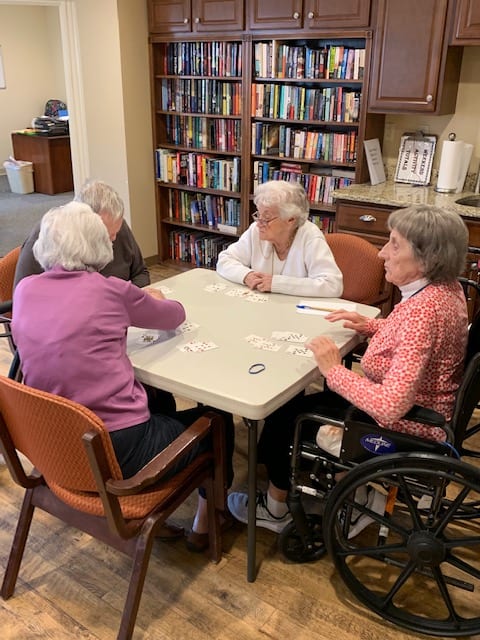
x=52, y=161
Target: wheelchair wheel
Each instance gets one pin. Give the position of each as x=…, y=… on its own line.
x=293, y=547
x=416, y=564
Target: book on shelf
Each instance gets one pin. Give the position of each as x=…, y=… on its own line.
x=227, y=228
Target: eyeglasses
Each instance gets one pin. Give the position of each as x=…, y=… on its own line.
x=262, y=221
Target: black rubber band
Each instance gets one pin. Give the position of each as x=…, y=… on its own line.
x=258, y=367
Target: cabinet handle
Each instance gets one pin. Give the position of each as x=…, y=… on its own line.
x=296, y=15
x=310, y=15
x=429, y=98
x=197, y=20
x=185, y=21
x=368, y=218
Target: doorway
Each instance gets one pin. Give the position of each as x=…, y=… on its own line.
x=73, y=82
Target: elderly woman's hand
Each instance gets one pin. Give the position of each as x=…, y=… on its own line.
x=325, y=352
x=265, y=283
x=252, y=279
x=155, y=293
x=353, y=320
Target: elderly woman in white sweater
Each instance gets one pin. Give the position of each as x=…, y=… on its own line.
x=282, y=251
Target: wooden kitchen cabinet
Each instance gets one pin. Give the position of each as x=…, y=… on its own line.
x=369, y=220
x=185, y=16
x=466, y=29
x=363, y=219
x=413, y=69
x=308, y=14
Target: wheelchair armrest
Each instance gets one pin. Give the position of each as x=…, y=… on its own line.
x=425, y=416
x=415, y=414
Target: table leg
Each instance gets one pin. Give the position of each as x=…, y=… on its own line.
x=252, y=500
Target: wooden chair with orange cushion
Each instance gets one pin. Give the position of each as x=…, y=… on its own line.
x=362, y=269
x=77, y=479
x=363, y=274
x=7, y=272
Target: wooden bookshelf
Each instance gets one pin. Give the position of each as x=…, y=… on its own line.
x=234, y=110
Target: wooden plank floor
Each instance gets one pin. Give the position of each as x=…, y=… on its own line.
x=71, y=586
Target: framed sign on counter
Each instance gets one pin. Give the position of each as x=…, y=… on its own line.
x=415, y=158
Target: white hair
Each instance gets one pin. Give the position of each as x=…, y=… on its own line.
x=102, y=198
x=288, y=198
x=73, y=237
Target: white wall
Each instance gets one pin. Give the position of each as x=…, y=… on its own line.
x=33, y=65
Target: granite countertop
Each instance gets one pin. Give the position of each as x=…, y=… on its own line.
x=395, y=194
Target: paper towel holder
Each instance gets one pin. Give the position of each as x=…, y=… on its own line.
x=453, y=178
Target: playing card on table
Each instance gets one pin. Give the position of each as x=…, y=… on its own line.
x=164, y=289
x=197, y=346
x=296, y=350
x=237, y=293
x=214, y=288
x=262, y=343
x=188, y=327
x=256, y=297
x=153, y=336
x=289, y=336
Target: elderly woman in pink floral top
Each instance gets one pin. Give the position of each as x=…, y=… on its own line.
x=415, y=355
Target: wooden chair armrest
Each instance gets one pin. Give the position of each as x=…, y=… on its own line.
x=6, y=307
x=154, y=470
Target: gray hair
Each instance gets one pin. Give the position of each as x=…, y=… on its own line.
x=102, y=198
x=73, y=237
x=439, y=239
x=289, y=199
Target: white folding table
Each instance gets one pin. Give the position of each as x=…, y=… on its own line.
x=221, y=377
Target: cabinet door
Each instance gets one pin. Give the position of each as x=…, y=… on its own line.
x=325, y=14
x=274, y=14
x=467, y=23
x=409, y=58
x=169, y=16
x=218, y=15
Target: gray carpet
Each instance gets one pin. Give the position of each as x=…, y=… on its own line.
x=19, y=213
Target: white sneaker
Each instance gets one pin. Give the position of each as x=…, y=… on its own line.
x=238, y=505
x=375, y=502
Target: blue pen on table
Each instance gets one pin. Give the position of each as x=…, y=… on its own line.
x=316, y=307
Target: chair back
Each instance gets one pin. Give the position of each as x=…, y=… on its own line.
x=362, y=269
x=48, y=430
x=7, y=272
x=466, y=400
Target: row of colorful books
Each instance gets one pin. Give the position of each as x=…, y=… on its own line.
x=290, y=102
x=323, y=222
x=196, y=248
x=318, y=186
x=197, y=170
x=282, y=60
x=203, y=59
x=290, y=142
x=204, y=133
x=198, y=208
x=187, y=95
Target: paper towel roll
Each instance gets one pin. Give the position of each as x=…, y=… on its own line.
x=451, y=164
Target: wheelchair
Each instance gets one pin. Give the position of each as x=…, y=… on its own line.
x=417, y=562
